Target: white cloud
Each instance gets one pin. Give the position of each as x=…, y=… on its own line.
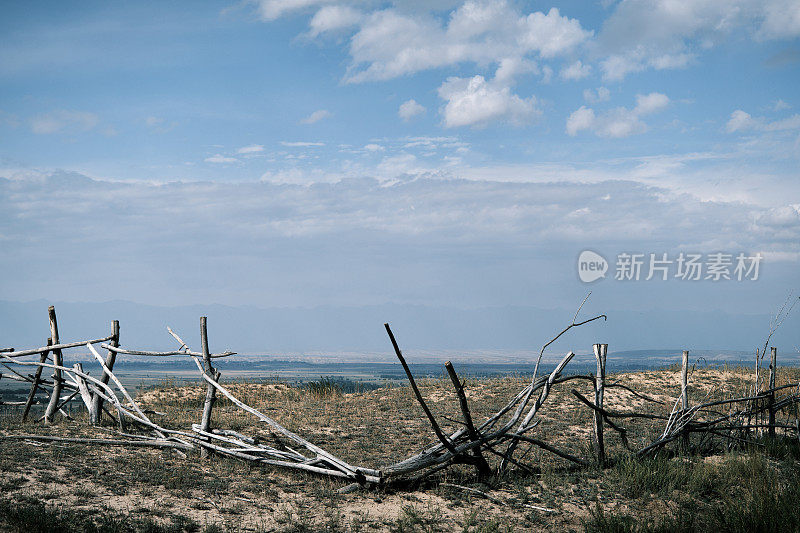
x=410, y=109
x=742, y=121
x=301, y=144
x=781, y=20
x=787, y=216
x=739, y=121
x=618, y=122
x=650, y=103
x=547, y=74
x=433, y=143
x=576, y=71
x=316, y=116
x=253, y=148
x=476, y=102
x=616, y=66
x=219, y=158
x=601, y=94
x=252, y=219
x=270, y=10
x=789, y=123
x=266, y=241
x=581, y=119
x=332, y=19
x=780, y=105
x=64, y=121
x=396, y=165
x=391, y=43
x=372, y=147
x=666, y=34
x=509, y=68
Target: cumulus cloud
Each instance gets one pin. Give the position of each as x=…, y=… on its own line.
x=477, y=102
x=270, y=10
x=64, y=121
x=581, y=119
x=316, y=116
x=576, y=71
x=618, y=122
x=509, y=68
x=739, y=121
x=616, y=66
x=601, y=94
x=333, y=18
x=391, y=43
x=664, y=34
x=781, y=20
x=410, y=109
x=650, y=103
x=743, y=121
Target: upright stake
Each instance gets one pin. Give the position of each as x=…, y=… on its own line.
x=34, y=387
x=97, y=401
x=600, y=352
x=773, y=370
x=434, y=424
x=480, y=461
x=211, y=391
x=685, y=391
x=59, y=361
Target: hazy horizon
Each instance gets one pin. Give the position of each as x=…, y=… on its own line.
x=501, y=333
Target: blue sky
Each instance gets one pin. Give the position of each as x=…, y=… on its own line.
x=305, y=152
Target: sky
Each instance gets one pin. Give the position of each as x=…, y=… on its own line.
x=303, y=153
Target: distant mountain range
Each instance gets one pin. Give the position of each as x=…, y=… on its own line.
x=502, y=334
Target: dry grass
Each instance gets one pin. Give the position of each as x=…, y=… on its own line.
x=374, y=428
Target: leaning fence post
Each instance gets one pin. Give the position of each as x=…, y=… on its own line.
x=685, y=391
x=35, y=386
x=97, y=401
x=773, y=370
x=211, y=391
x=58, y=361
x=600, y=352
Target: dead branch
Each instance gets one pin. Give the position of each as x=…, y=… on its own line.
x=435, y=425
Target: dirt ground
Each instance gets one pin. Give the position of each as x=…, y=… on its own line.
x=370, y=428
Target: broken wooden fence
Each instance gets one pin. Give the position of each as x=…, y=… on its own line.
x=498, y=435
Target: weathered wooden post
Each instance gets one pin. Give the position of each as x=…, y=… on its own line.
x=58, y=360
x=685, y=380
x=83, y=388
x=773, y=370
x=600, y=352
x=97, y=401
x=484, y=471
x=35, y=386
x=211, y=391
x=685, y=392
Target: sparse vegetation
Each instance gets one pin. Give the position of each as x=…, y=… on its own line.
x=156, y=490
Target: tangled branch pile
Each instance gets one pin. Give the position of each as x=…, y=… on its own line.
x=729, y=422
